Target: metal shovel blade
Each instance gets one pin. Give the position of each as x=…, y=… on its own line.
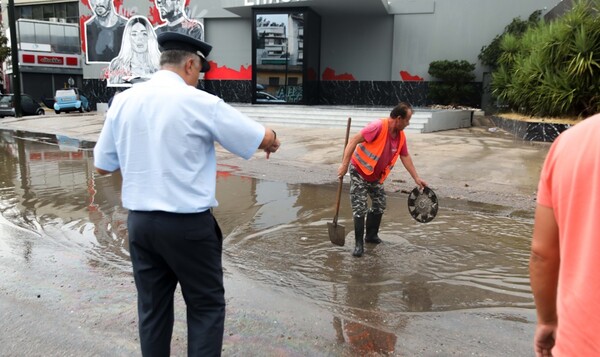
x=337, y=233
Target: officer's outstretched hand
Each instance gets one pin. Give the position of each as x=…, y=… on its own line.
x=273, y=148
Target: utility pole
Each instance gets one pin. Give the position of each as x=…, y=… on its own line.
x=14, y=51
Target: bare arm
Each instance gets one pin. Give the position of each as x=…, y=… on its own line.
x=348, y=151
x=270, y=143
x=410, y=167
x=543, y=271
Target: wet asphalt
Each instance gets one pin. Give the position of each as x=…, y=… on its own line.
x=60, y=306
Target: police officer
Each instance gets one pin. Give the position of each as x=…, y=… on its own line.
x=161, y=135
x=373, y=153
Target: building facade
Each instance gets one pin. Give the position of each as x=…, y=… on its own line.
x=326, y=52
x=48, y=45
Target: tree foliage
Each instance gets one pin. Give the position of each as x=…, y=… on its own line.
x=553, y=69
x=4, y=49
x=490, y=54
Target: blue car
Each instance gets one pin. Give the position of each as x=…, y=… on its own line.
x=70, y=99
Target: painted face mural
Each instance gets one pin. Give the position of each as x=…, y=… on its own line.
x=139, y=38
x=102, y=8
x=139, y=55
x=168, y=8
x=119, y=36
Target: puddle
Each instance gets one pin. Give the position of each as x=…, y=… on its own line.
x=469, y=257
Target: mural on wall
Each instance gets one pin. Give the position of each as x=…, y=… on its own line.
x=103, y=32
x=139, y=55
x=122, y=39
x=173, y=12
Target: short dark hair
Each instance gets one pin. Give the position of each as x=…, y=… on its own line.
x=400, y=110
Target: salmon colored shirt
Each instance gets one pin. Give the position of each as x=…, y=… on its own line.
x=570, y=185
x=369, y=133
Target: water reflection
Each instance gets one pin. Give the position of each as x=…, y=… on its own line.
x=276, y=233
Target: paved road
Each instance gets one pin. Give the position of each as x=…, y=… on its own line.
x=67, y=307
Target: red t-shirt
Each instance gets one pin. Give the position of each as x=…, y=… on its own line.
x=369, y=133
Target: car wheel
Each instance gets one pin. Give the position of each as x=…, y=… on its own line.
x=40, y=111
x=81, y=109
x=57, y=111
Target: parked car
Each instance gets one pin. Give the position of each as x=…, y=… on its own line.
x=264, y=97
x=70, y=99
x=29, y=106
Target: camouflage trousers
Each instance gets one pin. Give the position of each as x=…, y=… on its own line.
x=361, y=190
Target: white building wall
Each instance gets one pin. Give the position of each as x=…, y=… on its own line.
x=358, y=45
x=455, y=30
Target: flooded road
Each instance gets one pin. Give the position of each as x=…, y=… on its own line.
x=290, y=291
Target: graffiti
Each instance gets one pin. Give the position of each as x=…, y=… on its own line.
x=409, y=77
x=216, y=72
x=291, y=94
x=330, y=75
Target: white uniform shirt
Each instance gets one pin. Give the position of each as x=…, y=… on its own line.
x=161, y=134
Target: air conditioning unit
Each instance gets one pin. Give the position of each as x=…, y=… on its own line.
x=64, y=21
x=53, y=19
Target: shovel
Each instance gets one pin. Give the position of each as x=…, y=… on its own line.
x=337, y=233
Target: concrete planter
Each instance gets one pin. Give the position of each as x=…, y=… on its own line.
x=532, y=129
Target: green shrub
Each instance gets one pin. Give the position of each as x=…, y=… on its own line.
x=554, y=68
x=454, y=86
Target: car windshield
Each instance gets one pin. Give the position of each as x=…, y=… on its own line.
x=6, y=99
x=65, y=92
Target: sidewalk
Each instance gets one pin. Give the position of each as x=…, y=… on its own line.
x=463, y=165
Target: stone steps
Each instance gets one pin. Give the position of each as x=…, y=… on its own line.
x=317, y=116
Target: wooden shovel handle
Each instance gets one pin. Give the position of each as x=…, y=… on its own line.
x=339, y=191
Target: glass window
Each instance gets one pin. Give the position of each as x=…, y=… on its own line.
x=42, y=33
x=37, y=13
x=48, y=11
x=279, y=52
x=72, y=12
x=273, y=81
x=25, y=12
x=60, y=10
x=57, y=38
x=26, y=31
x=72, y=39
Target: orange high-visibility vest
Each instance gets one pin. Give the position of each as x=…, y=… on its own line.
x=368, y=154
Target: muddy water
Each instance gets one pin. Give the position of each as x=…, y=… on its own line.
x=276, y=235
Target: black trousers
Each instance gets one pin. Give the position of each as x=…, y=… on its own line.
x=170, y=248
